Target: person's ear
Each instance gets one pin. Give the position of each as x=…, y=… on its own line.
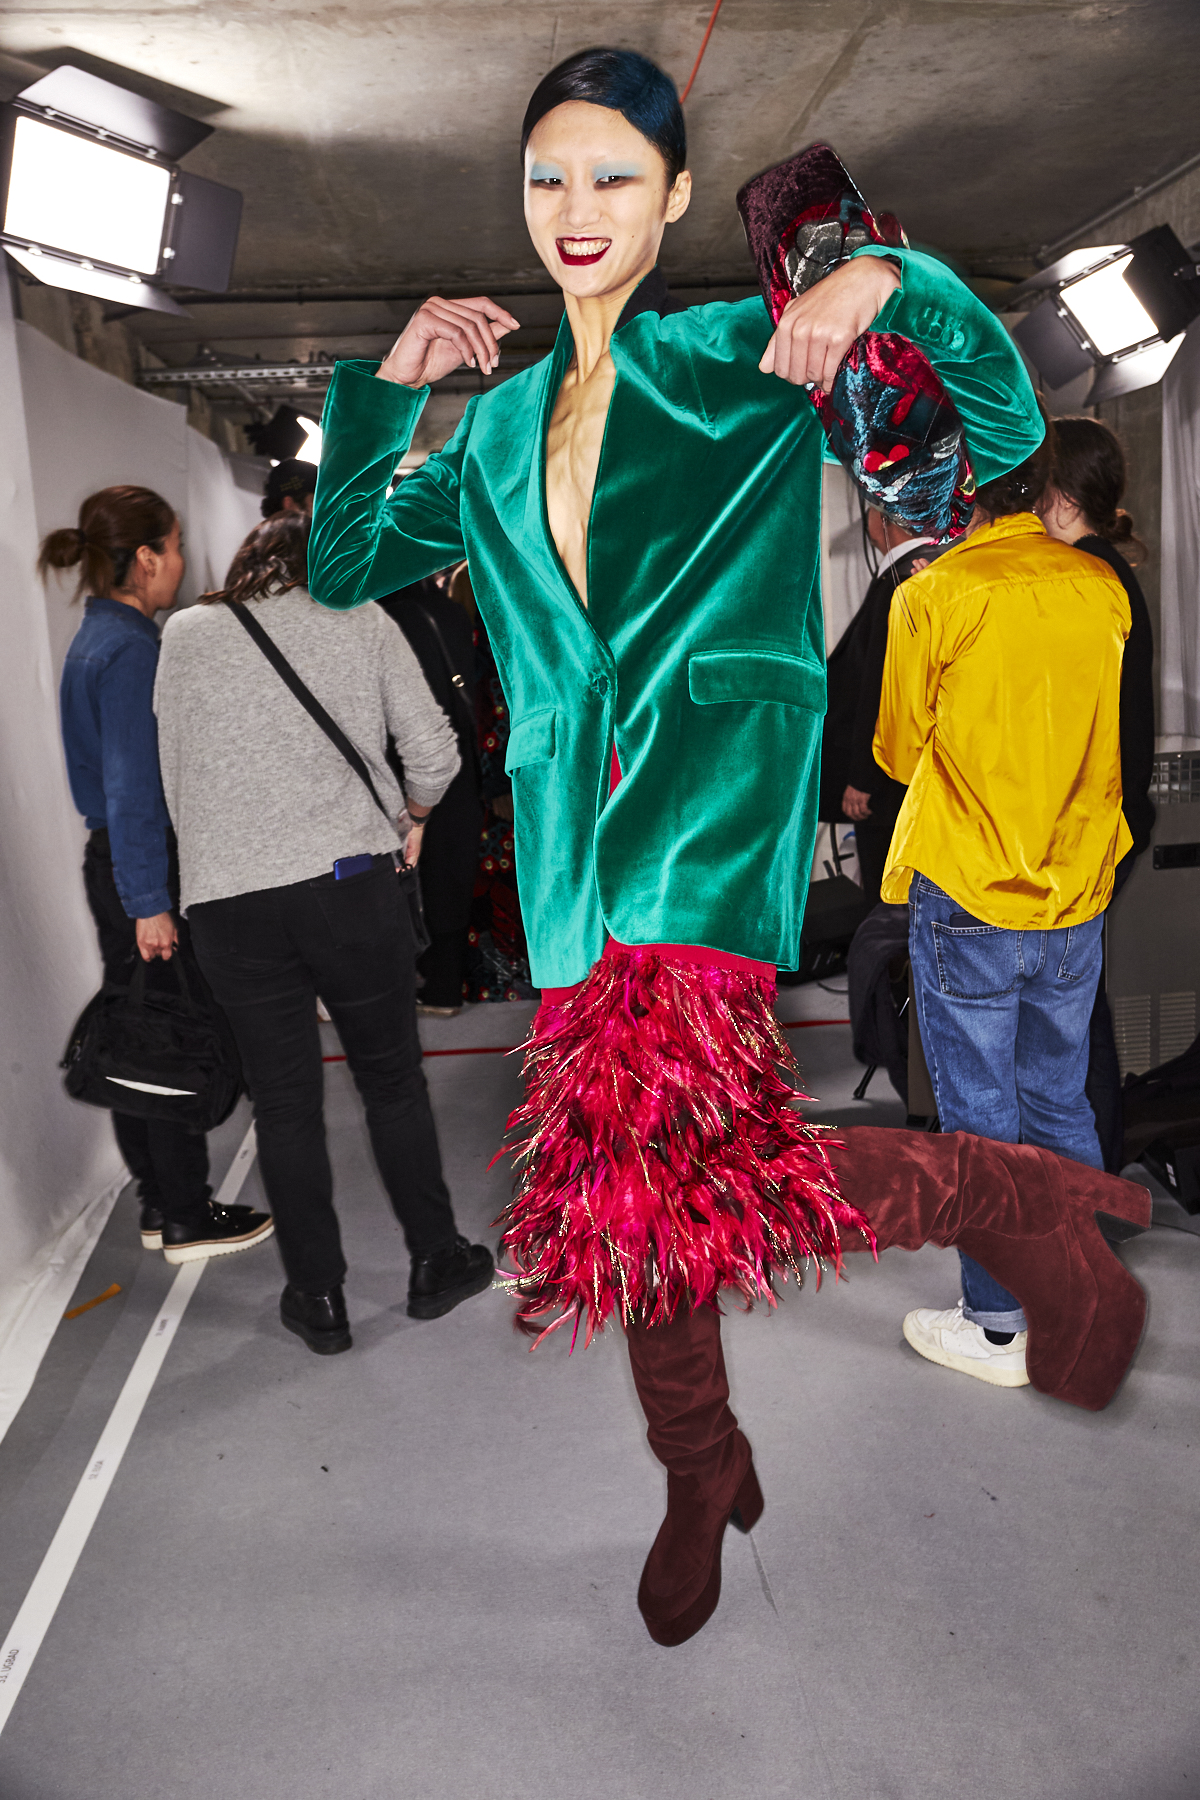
x=680, y=196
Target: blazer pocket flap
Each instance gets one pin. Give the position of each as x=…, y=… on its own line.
x=717, y=675
x=531, y=740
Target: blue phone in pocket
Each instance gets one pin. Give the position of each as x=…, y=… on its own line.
x=346, y=866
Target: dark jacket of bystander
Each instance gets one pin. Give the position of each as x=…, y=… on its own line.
x=1137, y=697
x=111, y=742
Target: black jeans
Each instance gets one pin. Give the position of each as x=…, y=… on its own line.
x=1104, y=1070
x=267, y=956
x=443, y=965
x=168, y=1162
x=873, y=840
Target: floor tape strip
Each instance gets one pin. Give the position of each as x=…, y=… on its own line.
x=58, y=1565
x=507, y=1049
x=238, y=1170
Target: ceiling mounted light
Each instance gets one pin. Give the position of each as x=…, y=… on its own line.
x=281, y=437
x=94, y=201
x=310, y=449
x=1126, y=374
x=1118, y=308
x=1110, y=313
x=1163, y=275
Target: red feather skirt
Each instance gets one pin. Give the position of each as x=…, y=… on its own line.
x=659, y=1157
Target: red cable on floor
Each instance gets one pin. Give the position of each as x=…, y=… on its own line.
x=703, y=47
x=476, y=1050
x=504, y=1049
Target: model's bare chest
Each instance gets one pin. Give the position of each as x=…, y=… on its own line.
x=573, y=444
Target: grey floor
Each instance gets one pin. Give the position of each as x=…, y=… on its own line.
x=410, y=1571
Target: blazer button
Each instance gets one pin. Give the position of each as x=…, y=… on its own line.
x=600, y=684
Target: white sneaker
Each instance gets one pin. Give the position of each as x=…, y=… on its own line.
x=954, y=1342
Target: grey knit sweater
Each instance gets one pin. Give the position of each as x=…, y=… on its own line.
x=258, y=795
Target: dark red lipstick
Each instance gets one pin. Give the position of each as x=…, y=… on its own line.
x=590, y=255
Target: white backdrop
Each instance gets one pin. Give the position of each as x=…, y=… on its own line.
x=88, y=430
x=1180, y=629
x=844, y=573
x=68, y=429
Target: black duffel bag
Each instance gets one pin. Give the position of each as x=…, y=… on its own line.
x=159, y=1052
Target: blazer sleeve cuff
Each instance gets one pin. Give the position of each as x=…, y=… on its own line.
x=972, y=355
x=377, y=417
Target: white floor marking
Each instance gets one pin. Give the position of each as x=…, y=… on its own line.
x=58, y=1565
x=40, y=1315
x=238, y=1170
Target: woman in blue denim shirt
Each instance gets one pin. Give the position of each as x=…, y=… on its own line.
x=129, y=550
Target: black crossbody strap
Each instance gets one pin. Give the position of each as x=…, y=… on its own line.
x=307, y=699
x=467, y=719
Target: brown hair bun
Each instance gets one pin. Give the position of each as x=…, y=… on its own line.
x=1090, y=469
x=113, y=525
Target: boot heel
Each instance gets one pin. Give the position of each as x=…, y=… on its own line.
x=1113, y=1230
x=748, y=1504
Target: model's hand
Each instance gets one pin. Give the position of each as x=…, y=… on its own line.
x=815, y=331
x=442, y=335
x=855, y=804
x=157, y=937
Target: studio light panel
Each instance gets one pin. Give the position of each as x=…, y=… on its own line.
x=1108, y=309
x=70, y=193
x=310, y=449
x=92, y=198
x=1119, y=308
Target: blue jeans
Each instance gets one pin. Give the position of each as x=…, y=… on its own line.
x=1004, y=1023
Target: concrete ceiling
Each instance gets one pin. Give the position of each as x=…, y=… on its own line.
x=375, y=140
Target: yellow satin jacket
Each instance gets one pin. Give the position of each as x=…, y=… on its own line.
x=1000, y=711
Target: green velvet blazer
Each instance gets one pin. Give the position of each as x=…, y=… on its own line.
x=701, y=655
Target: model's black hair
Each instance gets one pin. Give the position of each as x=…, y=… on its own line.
x=626, y=83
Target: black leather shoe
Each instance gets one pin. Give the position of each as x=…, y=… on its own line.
x=151, y=1224
x=320, y=1319
x=227, y=1228
x=439, y=1282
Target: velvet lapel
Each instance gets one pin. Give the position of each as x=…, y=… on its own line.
x=650, y=295
x=537, y=523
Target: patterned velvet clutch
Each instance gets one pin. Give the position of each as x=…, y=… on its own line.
x=888, y=418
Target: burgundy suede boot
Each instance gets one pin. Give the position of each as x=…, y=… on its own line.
x=1039, y=1224
x=679, y=1372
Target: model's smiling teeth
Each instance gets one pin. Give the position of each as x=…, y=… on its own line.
x=583, y=246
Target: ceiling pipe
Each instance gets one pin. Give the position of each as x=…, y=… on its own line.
x=1047, y=252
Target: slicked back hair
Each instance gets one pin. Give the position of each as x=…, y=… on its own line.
x=625, y=82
